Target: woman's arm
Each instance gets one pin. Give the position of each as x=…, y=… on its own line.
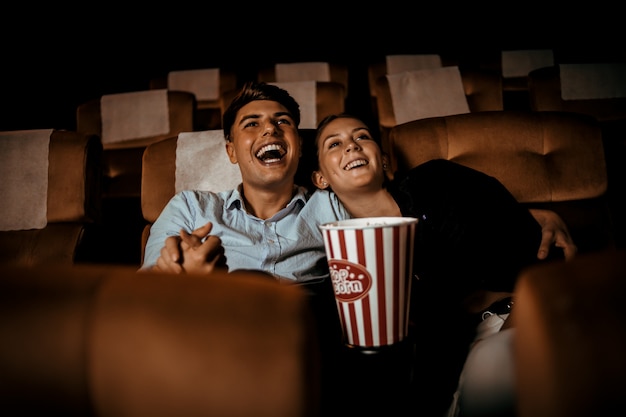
x=554, y=232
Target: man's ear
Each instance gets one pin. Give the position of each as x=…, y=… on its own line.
x=318, y=180
x=230, y=150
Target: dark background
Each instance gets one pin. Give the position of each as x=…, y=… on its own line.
x=54, y=59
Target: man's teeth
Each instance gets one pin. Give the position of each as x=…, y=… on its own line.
x=355, y=164
x=270, y=153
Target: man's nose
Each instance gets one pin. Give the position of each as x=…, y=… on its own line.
x=270, y=128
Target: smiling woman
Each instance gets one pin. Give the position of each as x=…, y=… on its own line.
x=461, y=213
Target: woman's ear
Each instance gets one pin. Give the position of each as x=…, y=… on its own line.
x=230, y=150
x=387, y=167
x=318, y=180
x=385, y=159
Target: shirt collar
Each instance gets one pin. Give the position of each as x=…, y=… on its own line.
x=235, y=201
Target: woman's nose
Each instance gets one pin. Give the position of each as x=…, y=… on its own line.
x=352, y=146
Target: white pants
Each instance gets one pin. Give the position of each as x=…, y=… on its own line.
x=486, y=385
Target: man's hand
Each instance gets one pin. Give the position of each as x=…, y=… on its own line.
x=198, y=256
x=189, y=253
x=554, y=232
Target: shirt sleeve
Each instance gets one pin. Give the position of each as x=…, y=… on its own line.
x=178, y=214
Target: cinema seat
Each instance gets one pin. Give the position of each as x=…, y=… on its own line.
x=126, y=123
x=207, y=84
x=552, y=160
x=50, y=181
x=478, y=90
x=109, y=341
x=571, y=336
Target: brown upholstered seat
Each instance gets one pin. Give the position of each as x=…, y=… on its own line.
x=545, y=91
x=329, y=99
x=483, y=91
x=571, y=336
x=108, y=341
x=546, y=95
x=546, y=159
x=122, y=159
x=72, y=207
x=338, y=73
x=378, y=69
x=208, y=111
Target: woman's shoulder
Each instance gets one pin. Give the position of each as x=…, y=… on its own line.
x=326, y=206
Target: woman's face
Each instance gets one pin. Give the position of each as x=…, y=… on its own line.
x=349, y=158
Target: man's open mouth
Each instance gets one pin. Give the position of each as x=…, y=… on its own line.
x=271, y=153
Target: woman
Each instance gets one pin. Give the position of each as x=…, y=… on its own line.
x=472, y=240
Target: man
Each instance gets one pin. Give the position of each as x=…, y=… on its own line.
x=268, y=223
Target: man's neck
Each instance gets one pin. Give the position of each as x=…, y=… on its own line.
x=264, y=203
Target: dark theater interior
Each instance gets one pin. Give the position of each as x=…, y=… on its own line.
x=55, y=62
x=85, y=333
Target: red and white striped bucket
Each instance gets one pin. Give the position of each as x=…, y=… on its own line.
x=371, y=265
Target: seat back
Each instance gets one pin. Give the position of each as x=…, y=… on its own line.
x=598, y=90
x=482, y=90
x=126, y=123
x=108, y=341
x=50, y=181
x=571, y=336
x=190, y=161
x=306, y=71
x=516, y=64
x=208, y=85
x=545, y=159
x=395, y=63
x=317, y=99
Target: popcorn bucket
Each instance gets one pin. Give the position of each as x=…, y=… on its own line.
x=371, y=268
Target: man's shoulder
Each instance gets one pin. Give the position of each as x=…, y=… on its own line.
x=203, y=198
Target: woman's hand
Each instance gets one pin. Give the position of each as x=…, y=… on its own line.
x=554, y=232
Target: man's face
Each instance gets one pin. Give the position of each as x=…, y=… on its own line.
x=265, y=143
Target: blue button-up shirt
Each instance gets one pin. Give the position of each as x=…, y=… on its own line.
x=288, y=245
